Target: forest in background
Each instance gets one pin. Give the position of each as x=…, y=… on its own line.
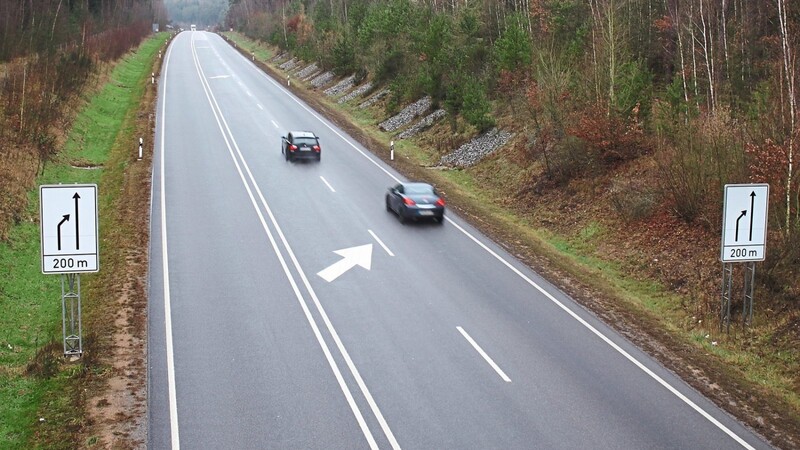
x=49, y=49
x=199, y=12
x=707, y=88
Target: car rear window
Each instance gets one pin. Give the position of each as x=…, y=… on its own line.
x=305, y=140
x=418, y=189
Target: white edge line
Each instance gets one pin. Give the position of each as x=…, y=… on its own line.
x=327, y=184
x=173, y=398
x=312, y=322
x=484, y=355
x=380, y=242
x=658, y=379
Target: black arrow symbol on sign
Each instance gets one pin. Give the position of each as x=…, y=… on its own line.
x=77, y=230
x=744, y=213
x=65, y=219
x=752, y=204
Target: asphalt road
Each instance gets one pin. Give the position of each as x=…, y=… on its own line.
x=446, y=341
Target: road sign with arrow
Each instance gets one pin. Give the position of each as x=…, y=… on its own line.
x=69, y=228
x=744, y=222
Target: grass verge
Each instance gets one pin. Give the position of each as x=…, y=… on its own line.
x=42, y=396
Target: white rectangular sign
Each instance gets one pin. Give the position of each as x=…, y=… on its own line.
x=69, y=228
x=744, y=222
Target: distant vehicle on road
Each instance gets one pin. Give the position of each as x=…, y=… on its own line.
x=301, y=145
x=415, y=201
x=194, y=27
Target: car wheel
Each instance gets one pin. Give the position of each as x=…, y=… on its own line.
x=401, y=214
x=319, y=157
x=439, y=220
x=388, y=206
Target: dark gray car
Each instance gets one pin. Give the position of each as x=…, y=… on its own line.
x=415, y=201
x=301, y=145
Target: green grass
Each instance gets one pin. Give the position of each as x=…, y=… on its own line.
x=30, y=302
x=261, y=52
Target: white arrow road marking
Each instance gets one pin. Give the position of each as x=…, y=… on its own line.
x=351, y=257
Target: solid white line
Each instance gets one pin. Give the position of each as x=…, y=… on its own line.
x=173, y=398
x=259, y=106
x=380, y=242
x=658, y=379
x=485, y=356
x=327, y=184
x=298, y=295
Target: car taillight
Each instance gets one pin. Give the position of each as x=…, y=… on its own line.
x=292, y=147
x=440, y=202
x=408, y=201
x=316, y=148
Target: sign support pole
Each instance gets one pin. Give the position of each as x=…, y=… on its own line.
x=727, y=289
x=71, y=313
x=749, y=282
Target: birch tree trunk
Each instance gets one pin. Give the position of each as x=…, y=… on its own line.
x=680, y=49
x=789, y=74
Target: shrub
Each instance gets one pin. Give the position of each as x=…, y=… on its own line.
x=344, y=56
x=696, y=160
x=475, y=106
x=569, y=158
x=633, y=200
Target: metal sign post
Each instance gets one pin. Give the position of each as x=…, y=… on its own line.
x=744, y=239
x=69, y=246
x=71, y=313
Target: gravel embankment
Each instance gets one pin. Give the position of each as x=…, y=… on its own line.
x=372, y=100
x=308, y=70
x=289, y=65
x=472, y=152
x=423, y=124
x=322, y=79
x=341, y=87
x=358, y=92
x=406, y=115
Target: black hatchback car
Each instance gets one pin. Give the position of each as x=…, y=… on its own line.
x=415, y=201
x=301, y=145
